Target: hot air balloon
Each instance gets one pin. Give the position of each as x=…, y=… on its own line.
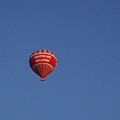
x=42, y=62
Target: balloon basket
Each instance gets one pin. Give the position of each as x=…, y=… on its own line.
x=42, y=79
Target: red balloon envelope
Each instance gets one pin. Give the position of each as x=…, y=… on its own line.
x=43, y=62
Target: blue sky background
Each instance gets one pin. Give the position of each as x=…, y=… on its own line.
x=84, y=35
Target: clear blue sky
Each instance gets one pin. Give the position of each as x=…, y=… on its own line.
x=84, y=35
